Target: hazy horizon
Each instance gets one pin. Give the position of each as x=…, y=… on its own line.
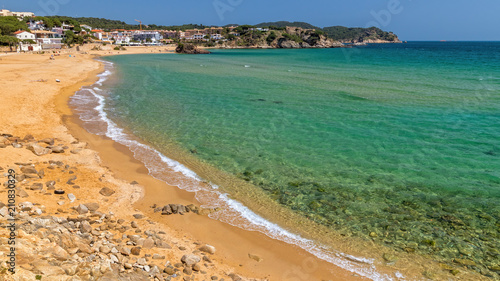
x=410, y=20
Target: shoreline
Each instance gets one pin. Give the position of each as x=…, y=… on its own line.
x=114, y=155
x=233, y=244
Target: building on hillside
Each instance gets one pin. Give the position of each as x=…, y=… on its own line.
x=216, y=37
x=98, y=33
x=20, y=15
x=36, y=25
x=198, y=36
x=24, y=35
x=67, y=27
x=84, y=26
x=48, y=39
x=169, y=33
x=5, y=13
x=145, y=36
x=59, y=31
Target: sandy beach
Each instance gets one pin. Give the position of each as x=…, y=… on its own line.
x=36, y=119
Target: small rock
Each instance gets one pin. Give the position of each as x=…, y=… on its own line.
x=48, y=141
x=134, y=224
x=389, y=257
x=106, y=191
x=104, y=249
x=38, y=150
x=158, y=257
x=138, y=216
x=26, y=206
x=71, y=197
x=465, y=262
x=125, y=251
x=190, y=259
x=188, y=270
x=149, y=243
x=208, y=249
x=169, y=270
x=196, y=267
x=82, y=209
x=135, y=251
x=21, y=193
x=57, y=149
x=255, y=257
x=92, y=207
x=29, y=170
x=50, y=184
x=59, y=191
x=36, y=186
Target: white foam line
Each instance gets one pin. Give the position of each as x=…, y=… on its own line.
x=254, y=221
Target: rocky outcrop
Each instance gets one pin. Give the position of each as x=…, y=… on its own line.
x=190, y=49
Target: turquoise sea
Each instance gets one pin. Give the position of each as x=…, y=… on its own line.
x=396, y=143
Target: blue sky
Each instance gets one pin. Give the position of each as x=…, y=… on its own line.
x=410, y=19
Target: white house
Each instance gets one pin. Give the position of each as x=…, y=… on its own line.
x=24, y=35
x=217, y=37
x=22, y=47
x=84, y=26
x=36, y=25
x=122, y=40
x=198, y=36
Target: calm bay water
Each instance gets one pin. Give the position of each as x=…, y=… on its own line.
x=398, y=143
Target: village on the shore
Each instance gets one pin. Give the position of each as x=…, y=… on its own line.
x=40, y=37
x=27, y=32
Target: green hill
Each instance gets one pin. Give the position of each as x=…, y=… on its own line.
x=279, y=24
x=342, y=33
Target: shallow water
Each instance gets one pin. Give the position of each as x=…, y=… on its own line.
x=395, y=143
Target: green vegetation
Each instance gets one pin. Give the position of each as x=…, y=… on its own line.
x=293, y=37
x=107, y=24
x=272, y=36
x=284, y=24
x=357, y=33
x=9, y=25
x=72, y=38
x=6, y=40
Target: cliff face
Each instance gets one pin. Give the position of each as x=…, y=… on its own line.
x=290, y=38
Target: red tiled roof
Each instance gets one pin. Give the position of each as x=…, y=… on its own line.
x=20, y=31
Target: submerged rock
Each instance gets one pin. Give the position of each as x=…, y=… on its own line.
x=189, y=49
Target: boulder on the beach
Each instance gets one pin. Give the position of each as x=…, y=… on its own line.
x=82, y=209
x=38, y=150
x=106, y=191
x=92, y=207
x=190, y=259
x=36, y=186
x=29, y=170
x=57, y=149
x=135, y=251
x=208, y=249
x=48, y=141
